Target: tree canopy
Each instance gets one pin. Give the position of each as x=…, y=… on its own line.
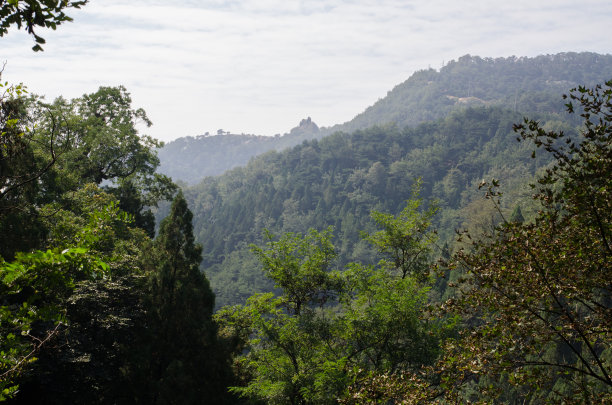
x=78, y=186
x=329, y=329
x=182, y=361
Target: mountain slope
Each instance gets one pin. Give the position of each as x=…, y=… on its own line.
x=519, y=84
x=340, y=179
x=189, y=159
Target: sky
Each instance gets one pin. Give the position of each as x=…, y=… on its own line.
x=261, y=66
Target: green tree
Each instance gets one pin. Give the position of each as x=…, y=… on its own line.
x=183, y=362
x=88, y=360
x=406, y=239
x=517, y=215
x=99, y=315
x=98, y=135
x=537, y=296
x=300, y=267
x=33, y=14
x=287, y=357
x=70, y=254
x=35, y=286
x=328, y=330
x=32, y=289
x=21, y=171
x=49, y=151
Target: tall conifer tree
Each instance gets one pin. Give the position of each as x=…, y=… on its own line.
x=184, y=364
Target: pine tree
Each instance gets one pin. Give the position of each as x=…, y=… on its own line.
x=183, y=362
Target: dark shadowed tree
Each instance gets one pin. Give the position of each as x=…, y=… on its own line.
x=182, y=362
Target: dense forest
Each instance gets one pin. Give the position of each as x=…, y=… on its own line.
x=340, y=179
x=460, y=257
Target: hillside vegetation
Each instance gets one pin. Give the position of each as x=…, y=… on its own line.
x=519, y=84
x=340, y=179
x=518, y=312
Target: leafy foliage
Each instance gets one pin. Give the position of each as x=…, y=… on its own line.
x=33, y=289
x=89, y=358
x=299, y=267
x=98, y=135
x=20, y=170
x=52, y=150
x=537, y=296
x=327, y=329
x=63, y=239
x=405, y=239
x=32, y=14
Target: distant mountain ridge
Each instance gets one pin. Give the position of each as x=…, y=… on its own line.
x=190, y=159
x=521, y=84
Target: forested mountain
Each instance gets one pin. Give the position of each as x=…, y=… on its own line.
x=189, y=159
x=340, y=179
x=518, y=84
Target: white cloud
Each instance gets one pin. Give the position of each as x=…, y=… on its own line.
x=261, y=65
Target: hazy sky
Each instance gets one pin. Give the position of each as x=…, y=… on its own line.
x=261, y=66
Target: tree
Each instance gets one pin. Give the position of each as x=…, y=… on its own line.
x=35, y=13
x=98, y=135
x=135, y=201
x=327, y=330
x=287, y=355
x=21, y=169
x=406, y=238
x=517, y=215
x=48, y=151
x=87, y=359
x=537, y=296
x=70, y=254
x=182, y=362
x=35, y=286
x=300, y=267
